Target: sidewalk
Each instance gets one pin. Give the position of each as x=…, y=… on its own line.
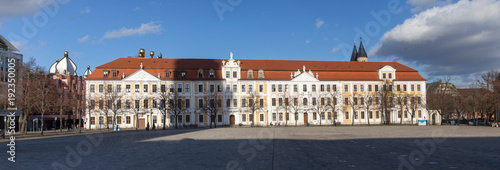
x=57, y=133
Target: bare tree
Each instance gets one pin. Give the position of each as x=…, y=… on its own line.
x=114, y=101
x=254, y=105
x=174, y=104
x=296, y=105
x=164, y=95
x=213, y=106
x=29, y=75
x=402, y=103
x=332, y=101
x=490, y=83
x=284, y=101
x=44, y=89
x=439, y=95
x=319, y=106
x=368, y=104
x=385, y=99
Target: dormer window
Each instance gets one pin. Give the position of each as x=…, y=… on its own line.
x=200, y=73
x=167, y=74
x=390, y=75
x=250, y=73
x=261, y=73
x=383, y=75
x=211, y=74
x=105, y=73
x=115, y=73
x=176, y=74
x=183, y=74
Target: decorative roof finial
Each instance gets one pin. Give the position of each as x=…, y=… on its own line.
x=141, y=64
x=231, y=54
x=360, y=39
x=304, y=68
x=88, y=66
x=66, y=54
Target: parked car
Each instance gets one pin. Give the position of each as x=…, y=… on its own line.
x=478, y=122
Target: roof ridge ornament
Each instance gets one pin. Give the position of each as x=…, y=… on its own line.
x=141, y=65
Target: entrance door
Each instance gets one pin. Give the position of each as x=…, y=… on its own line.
x=306, y=118
x=142, y=123
x=433, y=119
x=231, y=120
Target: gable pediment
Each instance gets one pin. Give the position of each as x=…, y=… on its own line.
x=304, y=76
x=141, y=75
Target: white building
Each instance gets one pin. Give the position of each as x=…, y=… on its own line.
x=309, y=88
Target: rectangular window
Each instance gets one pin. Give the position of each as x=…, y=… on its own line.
x=250, y=88
x=369, y=87
x=228, y=88
x=334, y=87
x=286, y=87
x=376, y=87
x=304, y=87
x=280, y=88
x=313, y=88
x=243, y=103
x=179, y=88
x=163, y=88
x=346, y=101
x=101, y=88
x=398, y=87
x=219, y=118
x=235, y=102
x=327, y=88
x=243, y=89
x=227, y=74
x=200, y=103
x=346, y=115
x=127, y=104
x=137, y=87
x=362, y=88
x=383, y=75
x=280, y=101
x=261, y=102
x=322, y=88
x=188, y=103
x=377, y=114
x=186, y=88
x=243, y=117
x=295, y=88
x=211, y=74
x=418, y=87
x=404, y=87
x=280, y=116
x=235, y=74
x=261, y=116
x=128, y=120
x=228, y=102
x=212, y=88
x=200, y=118
x=355, y=87
x=273, y=101
x=200, y=88
x=346, y=88
x=274, y=116
x=145, y=88
x=329, y=114
x=273, y=88
x=137, y=102
x=235, y=88
x=261, y=88
x=419, y=113
x=92, y=88
x=412, y=87
x=154, y=88
x=171, y=87
x=219, y=88
x=183, y=74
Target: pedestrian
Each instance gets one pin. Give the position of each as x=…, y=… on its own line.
x=147, y=127
x=154, y=127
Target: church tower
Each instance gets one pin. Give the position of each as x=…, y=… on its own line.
x=359, y=55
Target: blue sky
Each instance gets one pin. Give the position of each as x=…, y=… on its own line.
x=97, y=32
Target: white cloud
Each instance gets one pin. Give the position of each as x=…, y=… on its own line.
x=85, y=11
x=148, y=28
x=335, y=49
x=319, y=23
x=457, y=39
x=308, y=41
x=18, y=44
x=420, y=5
x=10, y=8
x=84, y=39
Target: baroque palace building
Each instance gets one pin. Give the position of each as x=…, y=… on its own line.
x=256, y=92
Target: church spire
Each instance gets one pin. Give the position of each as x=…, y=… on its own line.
x=354, y=53
x=361, y=51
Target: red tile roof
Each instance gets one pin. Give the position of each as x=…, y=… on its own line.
x=273, y=69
